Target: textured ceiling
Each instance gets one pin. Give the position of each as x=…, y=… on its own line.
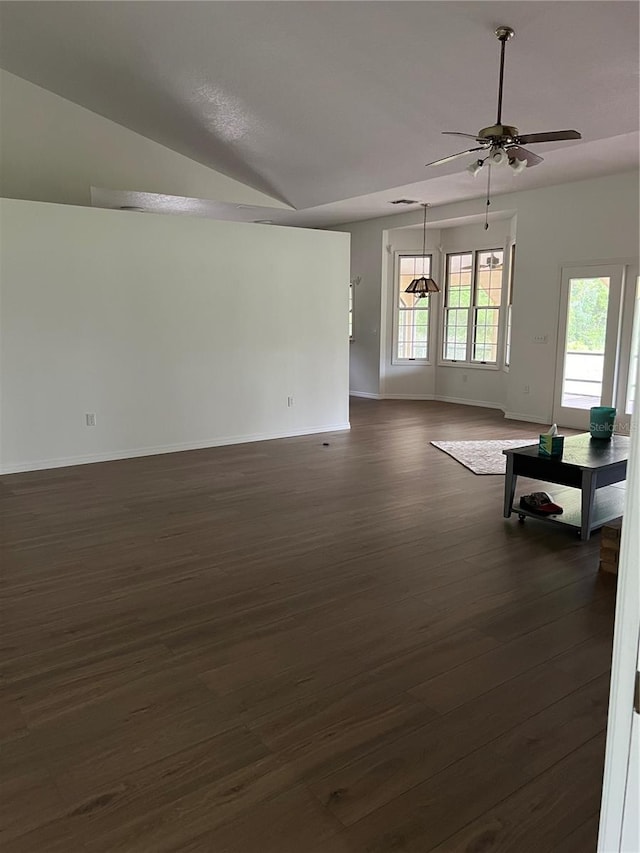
x=334, y=105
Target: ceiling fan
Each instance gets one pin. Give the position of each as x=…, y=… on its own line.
x=503, y=142
x=492, y=262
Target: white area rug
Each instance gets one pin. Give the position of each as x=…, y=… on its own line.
x=482, y=457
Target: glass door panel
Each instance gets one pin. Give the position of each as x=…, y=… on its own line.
x=584, y=346
x=588, y=342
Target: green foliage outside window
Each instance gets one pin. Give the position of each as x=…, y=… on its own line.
x=587, y=322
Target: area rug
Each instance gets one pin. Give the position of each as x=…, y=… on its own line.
x=482, y=457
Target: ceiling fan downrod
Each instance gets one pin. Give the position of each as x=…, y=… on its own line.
x=503, y=34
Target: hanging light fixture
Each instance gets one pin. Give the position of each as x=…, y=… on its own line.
x=423, y=286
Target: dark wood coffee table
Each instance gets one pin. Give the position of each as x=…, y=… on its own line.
x=592, y=466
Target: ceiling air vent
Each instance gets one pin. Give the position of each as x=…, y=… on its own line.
x=404, y=201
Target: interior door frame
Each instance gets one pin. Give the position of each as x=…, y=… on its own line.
x=630, y=307
x=615, y=271
x=620, y=772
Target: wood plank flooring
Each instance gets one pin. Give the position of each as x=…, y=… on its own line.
x=286, y=647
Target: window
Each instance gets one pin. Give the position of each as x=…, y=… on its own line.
x=472, y=306
x=457, y=303
x=412, y=312
x=507, y=341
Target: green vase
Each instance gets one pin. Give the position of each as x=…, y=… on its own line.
x=601, y=422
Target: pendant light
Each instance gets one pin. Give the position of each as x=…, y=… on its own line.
x=423, y=286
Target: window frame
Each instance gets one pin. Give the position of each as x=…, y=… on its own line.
x=468, y=362
x=508, y=318
x=432, y=307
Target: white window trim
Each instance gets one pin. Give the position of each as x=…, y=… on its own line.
x=467, y=363
x=510, y=253
x=433, y=313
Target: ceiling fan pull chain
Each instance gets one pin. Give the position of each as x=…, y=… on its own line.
x=486, y=215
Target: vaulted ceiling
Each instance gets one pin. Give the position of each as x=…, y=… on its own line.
x=335, y=107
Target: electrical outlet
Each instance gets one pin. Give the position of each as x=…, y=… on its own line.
x=525, y=389
x=464, y=377
x=290, y=401
x=541, y=339
x=90, y=419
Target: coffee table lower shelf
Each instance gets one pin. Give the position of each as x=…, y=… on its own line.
x=608, y=504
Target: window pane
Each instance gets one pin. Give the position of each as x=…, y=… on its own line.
x=485, y=353
x=413, y=331
x=459, y=295
x=415, y=265
x=406, y=300
x=411, y=266
x=485, y=334
x=455, y=333
x=455, y=352
x=489, y=268
x=584, y=344
x=491, y=259
x=457, y=262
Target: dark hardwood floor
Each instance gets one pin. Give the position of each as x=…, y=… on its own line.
x=285, y=647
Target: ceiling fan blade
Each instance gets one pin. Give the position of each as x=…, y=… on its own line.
x=456, y=133
x=455, y=156
x=522, y=154
x=551, y=136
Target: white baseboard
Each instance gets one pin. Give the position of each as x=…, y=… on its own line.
x=464, y=402
x=365, y=394
x=113, y=455
x=516, y=416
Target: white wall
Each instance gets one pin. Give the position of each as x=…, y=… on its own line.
x=586, y=221
x=594, y=220
x=366, y=262
x=177, y=332
x=54, y=150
